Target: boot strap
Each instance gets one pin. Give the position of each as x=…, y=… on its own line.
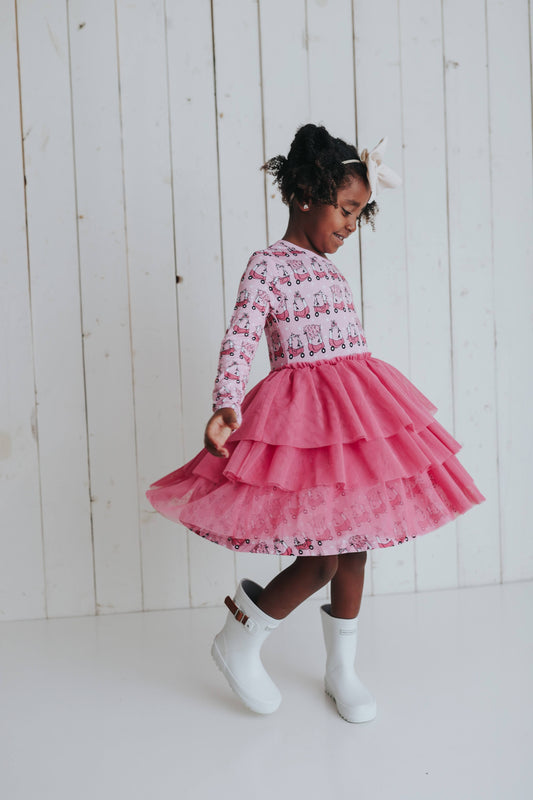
x=239, y=615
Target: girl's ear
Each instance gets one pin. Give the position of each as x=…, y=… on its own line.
x=304, y=205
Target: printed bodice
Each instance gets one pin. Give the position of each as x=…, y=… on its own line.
x=302, y=302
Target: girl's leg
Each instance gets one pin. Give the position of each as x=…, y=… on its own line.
x=296, y=583
x=347, y=585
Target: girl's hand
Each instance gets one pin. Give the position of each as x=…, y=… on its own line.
x=217, y=430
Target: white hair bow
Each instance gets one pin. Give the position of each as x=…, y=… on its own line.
x=379, y=175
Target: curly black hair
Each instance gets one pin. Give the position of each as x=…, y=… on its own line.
x=313, y=170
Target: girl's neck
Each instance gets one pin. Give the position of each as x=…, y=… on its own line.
x=295, y=235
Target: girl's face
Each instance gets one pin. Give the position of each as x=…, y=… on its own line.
x=326, y=226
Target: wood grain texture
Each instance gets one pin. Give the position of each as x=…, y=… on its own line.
x=22, y=590
x=471, y=280
x=510, y=91
x=105, y=306
x=55, y=308
x=426, y=238
x=149, y=201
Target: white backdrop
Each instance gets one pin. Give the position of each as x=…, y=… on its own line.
x=130, y=145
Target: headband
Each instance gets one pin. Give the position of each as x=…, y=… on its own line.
x=379, y=175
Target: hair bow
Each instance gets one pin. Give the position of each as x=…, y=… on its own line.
x=380, y=176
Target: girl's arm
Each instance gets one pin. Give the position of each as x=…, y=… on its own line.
x=238, y=348
x=254, y=302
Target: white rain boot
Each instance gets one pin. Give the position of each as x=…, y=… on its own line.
x=354, y=701
x=236, y=650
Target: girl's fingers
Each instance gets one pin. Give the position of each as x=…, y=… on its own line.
x=214, y=440
x=215, y=449
x=219, y=427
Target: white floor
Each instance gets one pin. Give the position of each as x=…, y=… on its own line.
x=131, y=706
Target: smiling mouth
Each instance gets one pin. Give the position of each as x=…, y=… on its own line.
x=341, y=238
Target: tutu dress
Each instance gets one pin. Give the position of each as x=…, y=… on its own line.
x=337, y=451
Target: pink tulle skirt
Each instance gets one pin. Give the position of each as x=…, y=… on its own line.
x=332, y=456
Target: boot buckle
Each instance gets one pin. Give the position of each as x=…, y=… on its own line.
x=239, y=615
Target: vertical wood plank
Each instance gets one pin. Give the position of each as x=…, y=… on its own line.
x=22, y=592
x=55, y=303
x=105, y=305
x=148, y=196
x=509, y=53
x=384, y=268
x=471, y=281
x=424, y=160
x=199, y=256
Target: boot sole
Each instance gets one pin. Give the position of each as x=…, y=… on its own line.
x=366, y=715
x=249, y=702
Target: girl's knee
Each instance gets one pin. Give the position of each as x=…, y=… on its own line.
x=327, y=567
x=321, y=568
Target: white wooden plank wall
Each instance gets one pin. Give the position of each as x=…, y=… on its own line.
x=53, y=266
x=512, y=259
x=130, y=148
x=426, y=248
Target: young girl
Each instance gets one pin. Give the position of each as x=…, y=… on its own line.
x=334, y=453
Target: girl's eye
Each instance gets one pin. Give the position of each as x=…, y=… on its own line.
x=345, y=212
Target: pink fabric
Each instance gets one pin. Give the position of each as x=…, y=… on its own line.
x=336, y=456
x=341, y=400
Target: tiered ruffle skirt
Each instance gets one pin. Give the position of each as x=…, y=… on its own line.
x=332, y=456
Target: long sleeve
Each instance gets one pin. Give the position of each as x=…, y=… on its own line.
x=252, y=307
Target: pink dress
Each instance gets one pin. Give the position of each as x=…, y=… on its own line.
x=337, y=451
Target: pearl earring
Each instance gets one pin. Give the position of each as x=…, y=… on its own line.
x=306, y=207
